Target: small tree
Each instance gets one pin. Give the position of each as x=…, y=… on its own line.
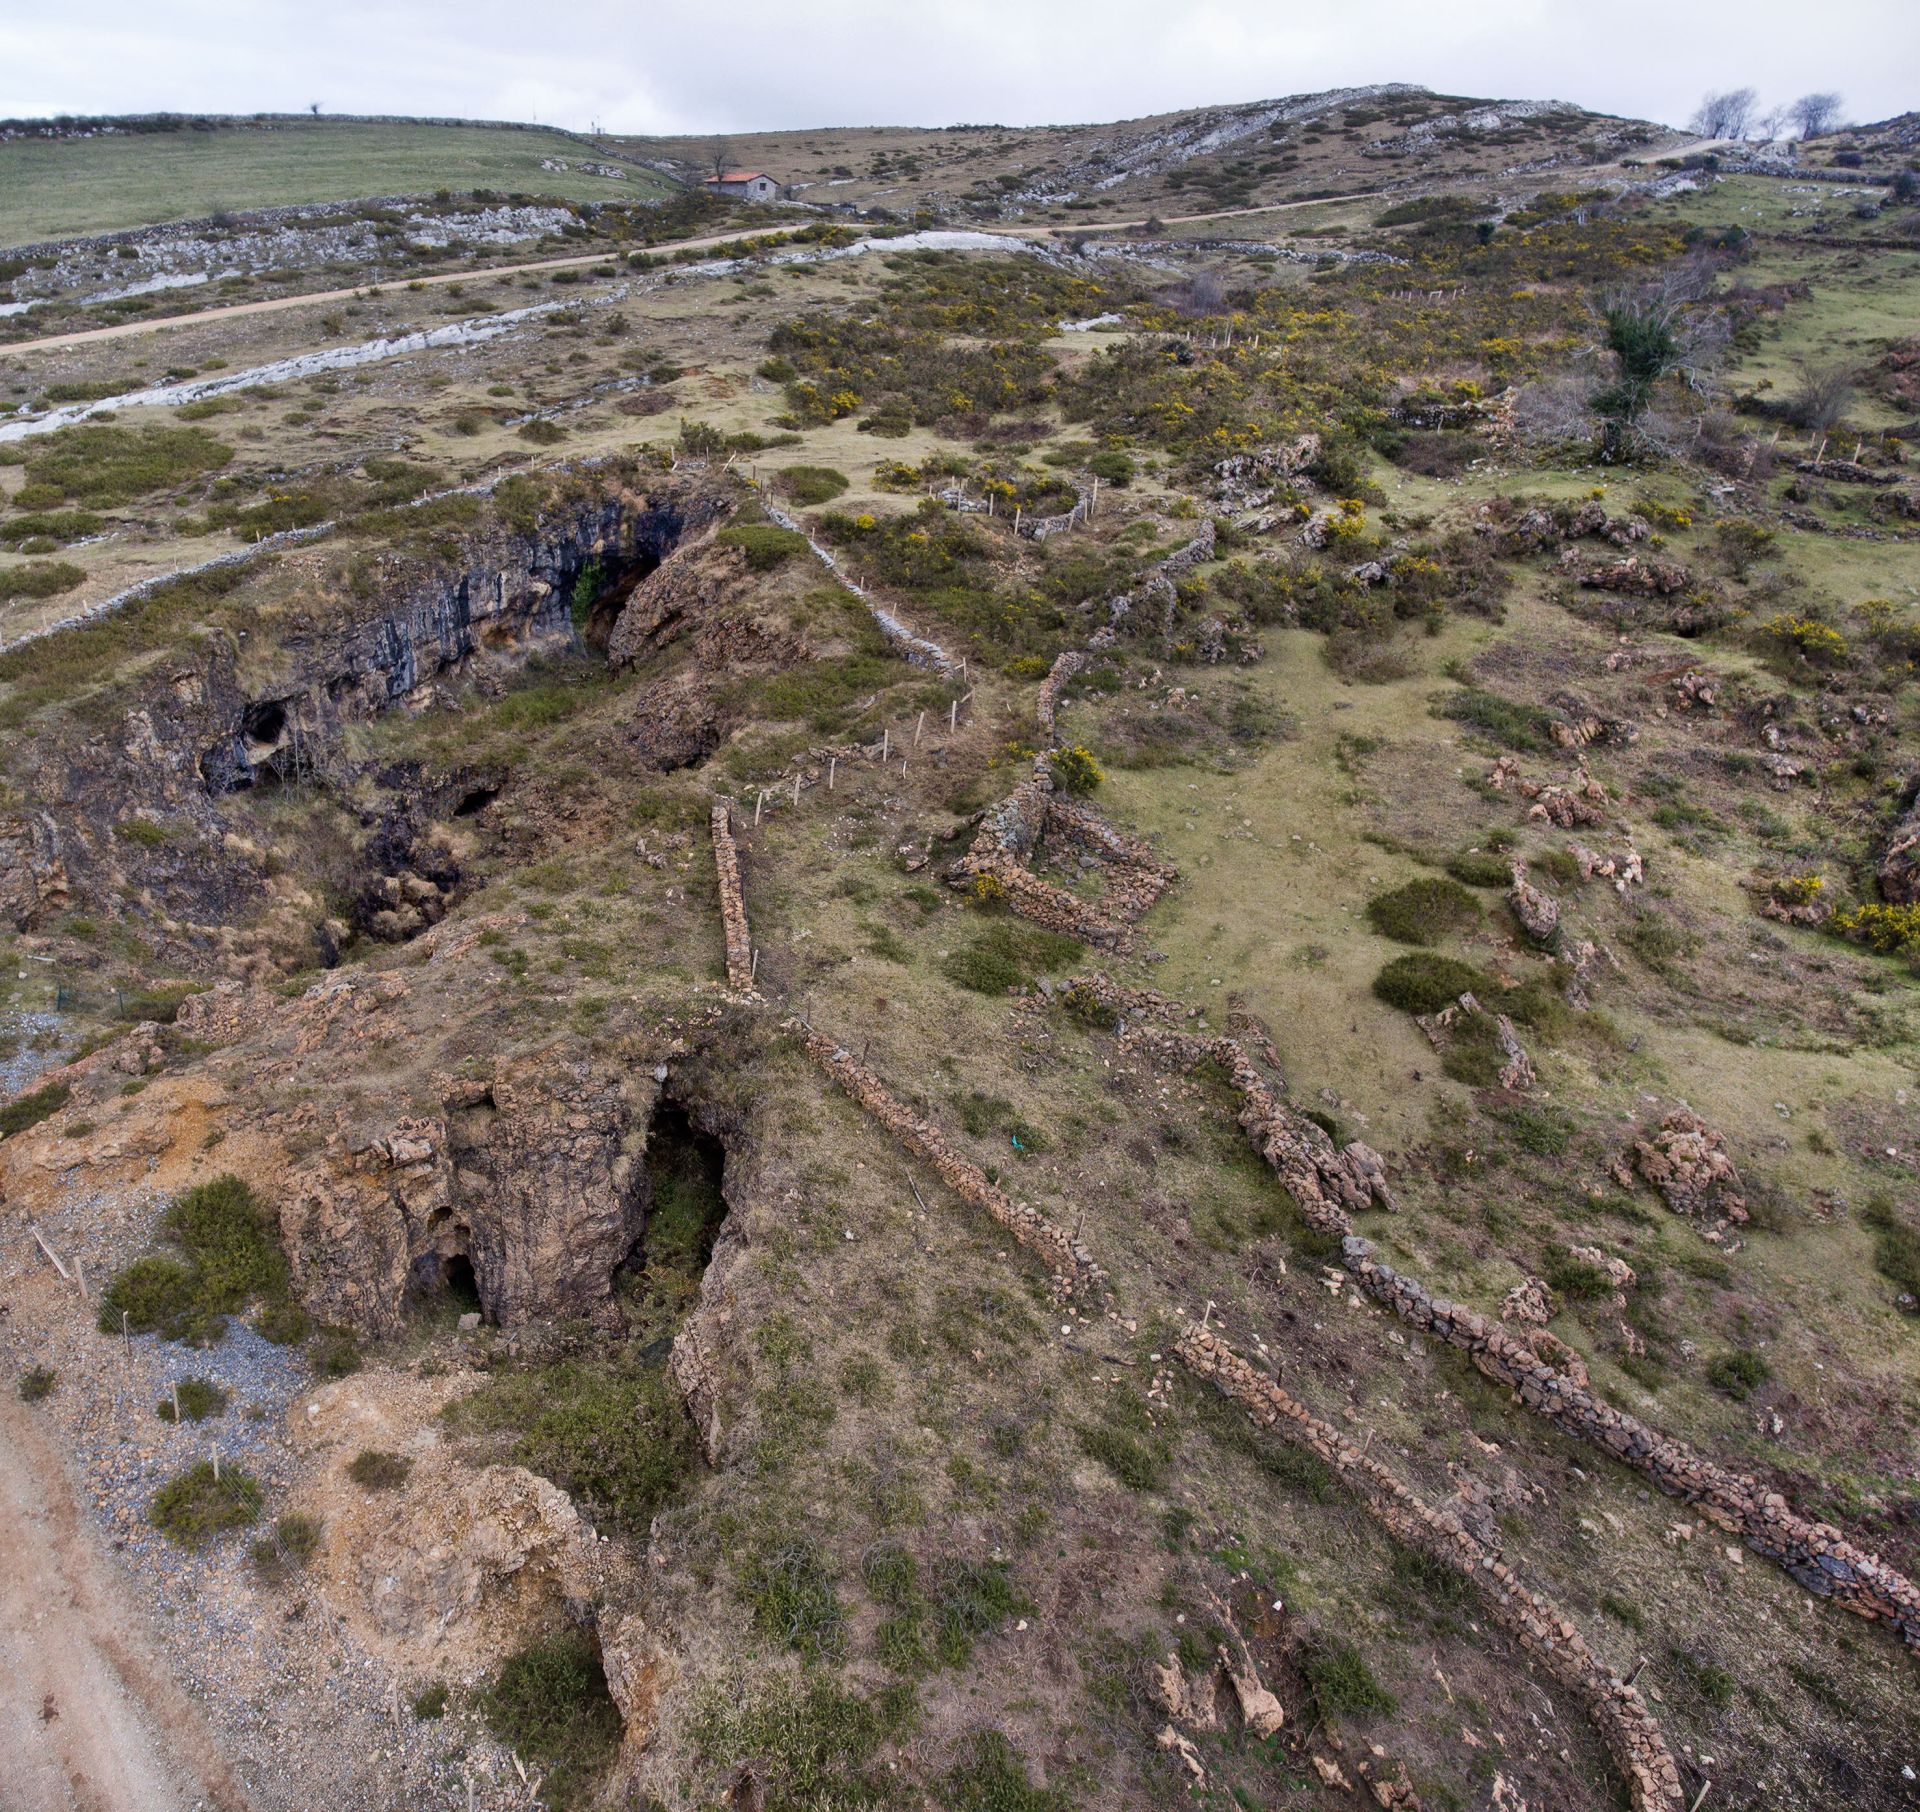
x=1727, y=114
x=722, y=158
x=1653, y=331
x=1821, y=394
x=1814, y=114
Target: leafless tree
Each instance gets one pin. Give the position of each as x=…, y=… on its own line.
x=1770, y=125
x=313, y=107
x=1727, y=114
x=1815, y=114
x=1821, y=395
x=722, y=158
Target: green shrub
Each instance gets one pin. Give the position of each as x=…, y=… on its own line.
x=1007, y=956
x=1419, y=1575
x=285, y=1549
x=550, y=1705
x=336, y=1353
x=1896, y=1245
x=542, y=433
x=1738, y=1374
x=1576, y=1278
x=199, y=1504
x=55, y=526
x=1423, y=910
x=790, y=1591
x=1340, y=1680
x=1075, y=770
x=764, y=545
x=431, y=1701
x=1112, y=467
x=39, y=579
x=37, y=1382
x=992, y=1777
x=24, y=1111
x=374, y=1470
x=810, y=485
x=1544, y=1132
x=155, y=1295
x=1139, y=1464
x=612, y=1434
x=1421, y=982
x=1481, y=868
x=196, y=1399
x=232, y=1257
x=813, y=1741
x=102, y=464
x=1511, y=725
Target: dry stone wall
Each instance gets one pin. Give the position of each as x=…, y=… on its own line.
x=1619, y=1713
x=1075, y=1273
x=733, y=902
x=1815, y=1554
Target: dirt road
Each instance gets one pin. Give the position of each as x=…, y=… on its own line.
x=90, y=1718
x=274, y=305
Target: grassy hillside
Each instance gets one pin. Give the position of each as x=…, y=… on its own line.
x=52, y=188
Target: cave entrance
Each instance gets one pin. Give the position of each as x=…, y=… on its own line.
x=458, y=1283
x=599, y=591
x=686, y=1206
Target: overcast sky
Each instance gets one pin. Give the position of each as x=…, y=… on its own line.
x=632, y=66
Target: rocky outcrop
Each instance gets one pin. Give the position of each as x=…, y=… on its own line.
x=1538, y=912
x=506, y=592
x=1688, y=1162
x=33, y=873
x=533, y=1177
x=1638, y=575
x=1898, y=870
x=1618, y=1712
x=446, y=1574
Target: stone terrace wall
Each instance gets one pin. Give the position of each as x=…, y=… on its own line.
x=733, y=902
x=1075, y=1273
x=1617, y=1710
x=1816, y=1555
x=1625, y=1725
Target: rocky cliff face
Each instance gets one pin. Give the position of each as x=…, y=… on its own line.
x=199, y=729
x=507, y=595
x=533, y=1177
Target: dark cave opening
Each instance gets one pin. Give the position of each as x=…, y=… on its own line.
x=475, y=799
x=684, y=1185
x=598, y=592
x=458, y=1282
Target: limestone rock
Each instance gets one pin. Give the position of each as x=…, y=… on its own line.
x=1538, y=913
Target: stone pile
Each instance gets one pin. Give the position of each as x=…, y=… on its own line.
x=1075, y=1273
x=1619, y=1713
x=1517, y=1074
x=1898, y=871
x=1624, y=870
x=1568, y=804
x=1688, y=1162
x=1640, y=575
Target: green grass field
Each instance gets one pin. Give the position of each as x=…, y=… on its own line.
x=50, y=189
